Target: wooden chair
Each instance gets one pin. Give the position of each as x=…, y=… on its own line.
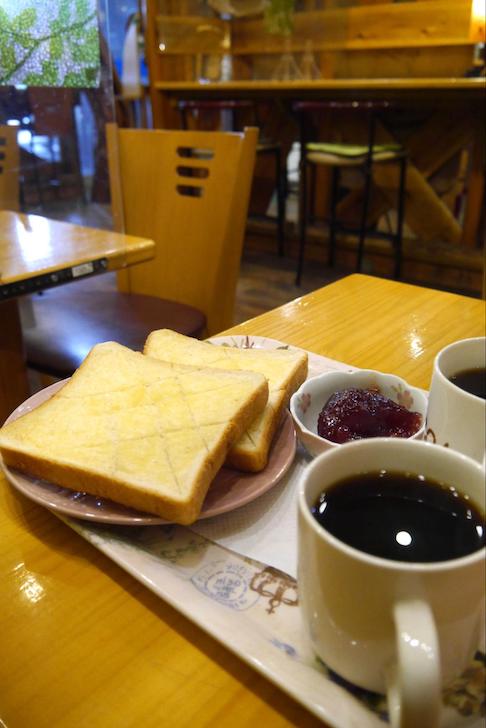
x=187, y=191
x=338, y=156
x=208, y=113
x=9, y=168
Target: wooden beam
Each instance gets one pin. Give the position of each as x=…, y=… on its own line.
x=476, y=192
x=439, y=139
x=425, y=213
x=430, y=147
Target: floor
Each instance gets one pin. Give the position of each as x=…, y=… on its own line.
x=267, y=281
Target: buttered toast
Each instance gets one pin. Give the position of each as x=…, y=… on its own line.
x=148, y=434
x=285, y=370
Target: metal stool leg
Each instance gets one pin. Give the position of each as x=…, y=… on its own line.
x=400, y=216
x=35, y=161
x=280, y=201
x=333, y=218
x=312, y=194
x=302, y=220
x=364, y=215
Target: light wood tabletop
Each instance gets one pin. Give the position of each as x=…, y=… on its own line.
x=31, y=245
x=37, y=253
x=85, y=644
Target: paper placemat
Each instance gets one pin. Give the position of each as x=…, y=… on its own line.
x=266, y=529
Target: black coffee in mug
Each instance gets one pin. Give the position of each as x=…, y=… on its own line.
x=401, y=516
x=471, y=380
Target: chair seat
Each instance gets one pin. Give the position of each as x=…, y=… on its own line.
x=68, y=323
x=348, y=155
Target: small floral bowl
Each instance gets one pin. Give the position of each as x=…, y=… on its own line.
x=308, y=401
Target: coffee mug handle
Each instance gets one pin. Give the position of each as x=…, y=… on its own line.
x=413, y=682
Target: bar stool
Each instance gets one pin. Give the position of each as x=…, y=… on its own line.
x=338, y=156
x=206, y=112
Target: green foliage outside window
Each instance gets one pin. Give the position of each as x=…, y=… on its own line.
x=49, y=44
x=279, y=16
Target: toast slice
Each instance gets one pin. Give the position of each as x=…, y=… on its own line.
x=147, y=434
x=285, y=370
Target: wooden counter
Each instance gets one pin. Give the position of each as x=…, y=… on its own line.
x=474, y=88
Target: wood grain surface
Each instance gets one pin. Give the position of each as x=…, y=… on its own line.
x=85, y=645
x=31, y=245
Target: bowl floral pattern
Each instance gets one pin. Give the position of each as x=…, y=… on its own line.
x=310, y=398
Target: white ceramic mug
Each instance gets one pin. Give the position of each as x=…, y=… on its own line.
x=456, y=418
x=404, y=629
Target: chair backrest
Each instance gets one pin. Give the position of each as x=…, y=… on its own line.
x=189, y=192
x=9, y=168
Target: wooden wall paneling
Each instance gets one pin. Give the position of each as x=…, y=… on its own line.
x=425, y=214
x=154, y=63
x=426, y=38
x=457, y=181
x=410, y=62
x=439, y=138
x=162, y=66
x=436, y=141
x=243, y=67
x=476, y=201
x=192, y=34
x=413, y=24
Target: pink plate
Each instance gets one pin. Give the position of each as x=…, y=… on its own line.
x=229, y=490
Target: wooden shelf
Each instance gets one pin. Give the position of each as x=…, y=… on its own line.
x=475, y=85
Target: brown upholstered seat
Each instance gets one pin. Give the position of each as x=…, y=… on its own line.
x=69, y=322
x=187, y=191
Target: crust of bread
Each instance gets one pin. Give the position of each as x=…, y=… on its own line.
x=118, y=429
x=285, y=370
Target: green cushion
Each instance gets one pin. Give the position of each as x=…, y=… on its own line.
x=350, y=150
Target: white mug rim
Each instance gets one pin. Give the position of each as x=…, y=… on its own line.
x=370, y=559
x=445, y=380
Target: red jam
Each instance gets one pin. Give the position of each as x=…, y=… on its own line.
x=354, y=414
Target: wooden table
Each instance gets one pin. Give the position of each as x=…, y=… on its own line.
x=452, y=109
x=37, y=253
x=84, y=644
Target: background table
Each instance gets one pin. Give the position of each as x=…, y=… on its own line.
x=84, y=644
x=35, y=254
